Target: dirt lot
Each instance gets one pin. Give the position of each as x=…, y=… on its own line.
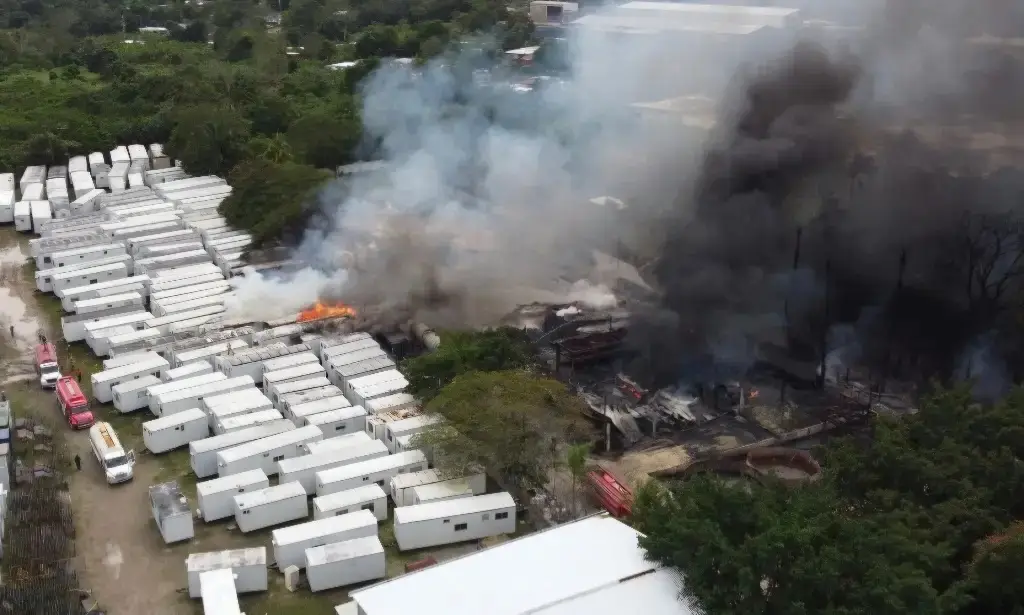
x=120, y=555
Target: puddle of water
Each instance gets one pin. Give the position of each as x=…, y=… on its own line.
x=13, y=311
x=10, y=251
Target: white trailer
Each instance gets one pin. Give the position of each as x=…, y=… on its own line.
x=451, y=489
x=128, y=359
x=138, y=152
x=340, y=422
x=290, y=401
x=341, y=375
x=215, y=497
x=60, y=280
x=103, y=382
x=401, y=486
x=69, y=296
x=203, y=454
x=75, y=237
x=128, y=342
x=31, y=175
x=192, y=257
x=136, y=244
x=242, y=408
x=249, y=567
x=290, y=543
x=171, y=432
x=217, y=589
x=80, y=255
x=171, y=512
x=206, y=354
x=270, y=506
x=300, y=372
x=7, y=182
x=127, y=213
x=120, y=154
x=223, y=406
x=162, y=283
x=157, y=158
x=338, y=443
x=379, y=471
x=299, y=413
x=85, y=203
x=283, y=333
x=132, y=396
x=277, y=391
x=34, y=192
x=197, y=368
x=168, y=248
x=244, y=421
x=361, y=396
x=303, y=469
x=451, y=521
x=135, y=320
x=100, y=304
x=266, y=452
x=45, y=278
x=73, y=326
x=250, y=362
x=165, y=388
x=292, y=360
x=211, y=192
x=117, y=177
x=367, y=497
x=166, y=404
x=6, y=207
x=364, y=382
x=375, y=423
x=406, y=427
x=41, y=212
x=96, y=158
x=391, y=403
x=163, y=309
x=345, y=563
x=23, y=216
x=189, y=183
x=207, y=288
x=335, y=358
x=166, y=324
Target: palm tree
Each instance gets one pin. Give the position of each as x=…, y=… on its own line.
x=576, y=462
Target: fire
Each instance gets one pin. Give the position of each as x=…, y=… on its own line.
x=320, y=311
x=754, y=393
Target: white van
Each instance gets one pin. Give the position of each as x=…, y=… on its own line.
x=116, y=463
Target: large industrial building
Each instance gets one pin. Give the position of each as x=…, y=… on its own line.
x=593, y=566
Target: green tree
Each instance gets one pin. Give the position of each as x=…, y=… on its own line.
x=576, y=463
x=467, y=351
x=507, y=422
x=208, y=139
x=325, y=138
x=272, y=199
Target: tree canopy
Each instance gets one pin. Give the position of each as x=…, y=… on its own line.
x=896, y=525
x=504, y=421
x=499, y=349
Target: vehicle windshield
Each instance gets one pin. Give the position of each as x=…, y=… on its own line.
x=50, y=369
x=80, y=409
x=113, y=462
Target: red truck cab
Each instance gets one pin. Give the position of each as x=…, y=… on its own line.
x=73, y=404
x=46, y=365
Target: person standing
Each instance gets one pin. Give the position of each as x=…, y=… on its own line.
x=78, y=463
x=12, y=330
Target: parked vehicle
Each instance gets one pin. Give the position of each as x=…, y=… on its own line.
x=117, y=463
x=73, y=404
x=46, y=365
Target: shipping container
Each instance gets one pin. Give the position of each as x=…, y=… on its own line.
x=292, y=360
x=203, y=454
x=340, y=422
x=300, y=413
x=303, y=468
x=186, y=383
x=238, y=422
x=165, y=309
x=32, y=175
x=103, y=382
x=189, y=370
x=117, y=177
x=367, y=497
x=337, y=443
x=278, y=391
x=451, y=489
x=34, y=193
x=74, y=237
x=136, y=320
x=340, y=375
x=189, y=183
x=206, y=354
x=266, y=452
x=23, y=216
x=166, y=404
x=345, y=563
x=401, y=486
x=166, y=261
x=176, y=295
x=301, y=372
x=128, y=342
x=215, y=498
x=69, y=296
x=362, y=395
x=391, y=403
x=73, y=326
x=379, y=471
x=120, y=154
x=290, y=543
x=45, y=279
x=337, y=340
x=220, y=407
x=270, y=506
x=96, y=158
x=131, y=396
x=165, y=324
x=217, y=589
x=451, y=521
x=290, y=401
x=249, y=567
x=175, y=431
x=162, y=284
x=137, y=243
x=6, y=207
x=85, y=203
x=157, y=158
x=41, y=212
x=129, y=359
x=171, y=512
x=406, y=427
x=89, y=306
x=79, y=255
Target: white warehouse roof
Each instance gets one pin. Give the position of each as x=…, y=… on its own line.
x=593, y=566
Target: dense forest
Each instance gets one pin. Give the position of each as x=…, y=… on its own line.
x=232, y=87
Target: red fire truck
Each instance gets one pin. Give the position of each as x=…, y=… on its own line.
x=46, y=364
x=73, y=404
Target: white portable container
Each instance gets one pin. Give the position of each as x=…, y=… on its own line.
x=33, y=193
x=134, y=320
x=271, y=506
x=441, y=523
x=292, y=360
x=157, y=158
x=170, y=323
x=362, y=395
x=209, y=193
x=169, y=403
x=73, y=326
x=61, y=280
x=128, y=359
x=353, y=385
x=244, y=421
x=303, y=468
x=367, y=497
x=265, y=452
x=301, y=372
x=128, y=342
x=185, y=383
x=249, y=567
x=99, y=304
x=23, y=216
x=192, y=257
x=250, y=362
x=380, y=471
x=338, y=422
x=345, y=563
x=80, y=255
x=137, y=152
x=45, y=278
x=174, y=431
x=186, y=271
x=41, y=212
x=451, y=489
x=391, y=403
x=222, y=407
x=292, y=400
x=290, y=543
x=120, y=154
x=348, y=345
x=164, y=309
x=205, y=354
x=406, y=427
x=346, y=367
x=85, y=203
x=208, y=288
x=161, y=283
x=117, y=177
x=216, y=498
x=171, y=512
x=375, y=423
x=96, y=158
x=136, y=244
x=338, y=443
x=68, y=297
x=189, y=183
x=98, y=341
x=277, y=392
x=103, y=382
x=203, y=453
x=217, y=589
x=403, y=484
x=6, y=207
x=198, y=368
x=131, y=395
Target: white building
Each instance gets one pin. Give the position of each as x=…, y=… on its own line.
x=593, y=566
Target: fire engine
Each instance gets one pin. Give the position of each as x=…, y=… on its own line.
x=46, y=364
x=73, y=404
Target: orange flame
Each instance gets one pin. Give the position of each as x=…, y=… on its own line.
x=754, y=393
x=320, y=311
